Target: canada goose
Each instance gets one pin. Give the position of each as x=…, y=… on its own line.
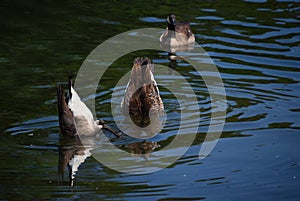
x=75, y=118
x=177, y=33
x=142, y=95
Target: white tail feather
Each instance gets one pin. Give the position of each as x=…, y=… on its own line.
x=81, y=113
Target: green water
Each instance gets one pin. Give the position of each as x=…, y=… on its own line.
x=255, y=46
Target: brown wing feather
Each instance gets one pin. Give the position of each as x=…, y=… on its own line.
x=144, y=95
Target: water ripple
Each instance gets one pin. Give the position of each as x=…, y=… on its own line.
x=33, y=124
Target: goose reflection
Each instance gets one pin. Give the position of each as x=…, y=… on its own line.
x=142, y=149
x=72, y=153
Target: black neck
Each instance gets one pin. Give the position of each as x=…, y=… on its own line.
x=171, y=27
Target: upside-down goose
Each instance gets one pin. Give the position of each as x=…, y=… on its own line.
x=142, y=94
x=75, y=118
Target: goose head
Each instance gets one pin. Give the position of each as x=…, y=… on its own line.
x=171, y=20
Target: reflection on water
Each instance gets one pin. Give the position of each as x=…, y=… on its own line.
x=142, y=149
x=72, y=153
x=255, y=45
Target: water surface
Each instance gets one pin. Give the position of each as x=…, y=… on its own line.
x=254, y=44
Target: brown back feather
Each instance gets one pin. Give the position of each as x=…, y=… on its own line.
x=144, y=91
x=183, y=28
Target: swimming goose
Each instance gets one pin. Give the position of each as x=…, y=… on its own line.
x=75, y=118
x=142, y=95
x=177, y=33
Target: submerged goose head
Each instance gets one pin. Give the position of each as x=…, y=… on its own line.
x=142, y=95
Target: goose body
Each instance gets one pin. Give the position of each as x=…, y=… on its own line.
x=177, y=33
x=74, y=116
x=142, y=94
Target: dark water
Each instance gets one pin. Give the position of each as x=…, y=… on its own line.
x=256, y=48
